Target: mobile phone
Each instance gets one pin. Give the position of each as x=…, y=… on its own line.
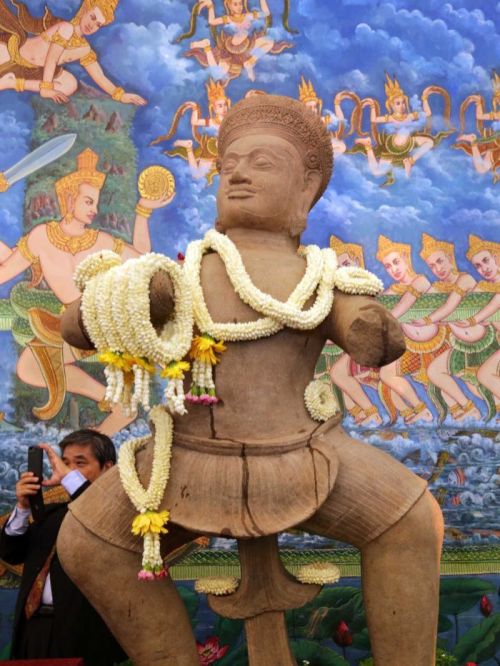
x=35, y=465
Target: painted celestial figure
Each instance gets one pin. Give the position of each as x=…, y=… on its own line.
x=241, y=41
x=201, y=157
x=34, y=51
x=485, y=148
x=404, y=140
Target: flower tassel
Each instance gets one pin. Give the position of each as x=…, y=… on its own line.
x=204, y=351
x=150, y=525
x=174, y=393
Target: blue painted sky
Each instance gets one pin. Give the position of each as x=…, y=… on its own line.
x=347, y=44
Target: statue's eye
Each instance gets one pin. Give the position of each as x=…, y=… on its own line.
x=228, y=166
x=262, y=162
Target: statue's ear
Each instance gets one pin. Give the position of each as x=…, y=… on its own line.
x=312, y=183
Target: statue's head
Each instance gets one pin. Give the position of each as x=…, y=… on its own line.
x=439, y=256
x=93, y=14
x=275, y=162
x=484, y=256
x=78, y=192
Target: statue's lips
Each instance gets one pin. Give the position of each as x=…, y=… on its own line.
x=240, y=194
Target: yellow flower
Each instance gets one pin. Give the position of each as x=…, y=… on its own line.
x=175, y=370
x=151, y=522
x=115, y=359
x=204, y=348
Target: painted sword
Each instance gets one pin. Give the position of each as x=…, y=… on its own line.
x=37, y=159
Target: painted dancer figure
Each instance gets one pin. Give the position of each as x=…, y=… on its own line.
x=33, y=51
x=239, y=44
x=404, y=140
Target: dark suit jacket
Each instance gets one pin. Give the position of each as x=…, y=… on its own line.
x=77, y=628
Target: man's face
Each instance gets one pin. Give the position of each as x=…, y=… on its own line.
x=261, y=183
x=440, y=264
x=486, y=264
x=91, y=21
x=396, y=265
x=81, y=457
x=85, y=204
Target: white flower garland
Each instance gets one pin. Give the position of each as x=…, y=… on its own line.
x=321, y=266
x=149, y=523
x=319, y=573
x=116, y=314
x=354, y=280
x=320, y=401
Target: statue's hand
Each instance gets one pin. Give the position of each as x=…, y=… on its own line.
x=132, y=98
x=55, y=95
x=153, y=204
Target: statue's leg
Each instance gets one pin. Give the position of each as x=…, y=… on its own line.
x=148, y=619
x=383, y=509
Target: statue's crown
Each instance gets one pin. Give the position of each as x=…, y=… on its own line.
x=285, y=117
x=86, y=172
x=352, y=249
x=306, y=91
x=386, y=245
x=477, y=244
x=215, y=91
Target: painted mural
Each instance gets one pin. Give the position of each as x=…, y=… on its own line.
x=96, y=97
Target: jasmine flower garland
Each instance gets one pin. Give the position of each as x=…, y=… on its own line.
x=150, y=523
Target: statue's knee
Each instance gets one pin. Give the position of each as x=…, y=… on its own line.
x=425, y=519
x=69, y=545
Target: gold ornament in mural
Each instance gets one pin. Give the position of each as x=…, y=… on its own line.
x=4, y=184
x=241, y=40
x=407, y=135
x=156, y=182
x=483, y=147
x=31, y=49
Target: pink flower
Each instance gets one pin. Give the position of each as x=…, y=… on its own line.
x=145, y=575
x=180, y=256
x=192, y=398
x=342, y=635
x=211, y=651
x=161, y=574
x=485, y=606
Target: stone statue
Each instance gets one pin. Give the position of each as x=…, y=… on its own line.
x=255, y=463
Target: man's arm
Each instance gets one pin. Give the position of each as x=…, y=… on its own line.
x=365, y=330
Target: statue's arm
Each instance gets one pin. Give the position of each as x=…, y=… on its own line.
x=365, y=330
x=161, y=298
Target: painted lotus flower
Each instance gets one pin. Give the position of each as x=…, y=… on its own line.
x=210, y=651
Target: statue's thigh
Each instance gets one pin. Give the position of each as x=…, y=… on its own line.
x=372, y=492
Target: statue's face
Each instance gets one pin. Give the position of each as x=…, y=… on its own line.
x=262, y=184
x=440, y=264
x=396, y=264
x=486, y=264
x=84, y=206
x=91, y=21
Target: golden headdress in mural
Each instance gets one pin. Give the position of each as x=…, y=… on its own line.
x=306, y=91
x=386, y=245
x=392, y=91
x=477, y=244
x=215, y=91
x=431, y=245
x=107, y=7
x=86, y=172
x=354, y=250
